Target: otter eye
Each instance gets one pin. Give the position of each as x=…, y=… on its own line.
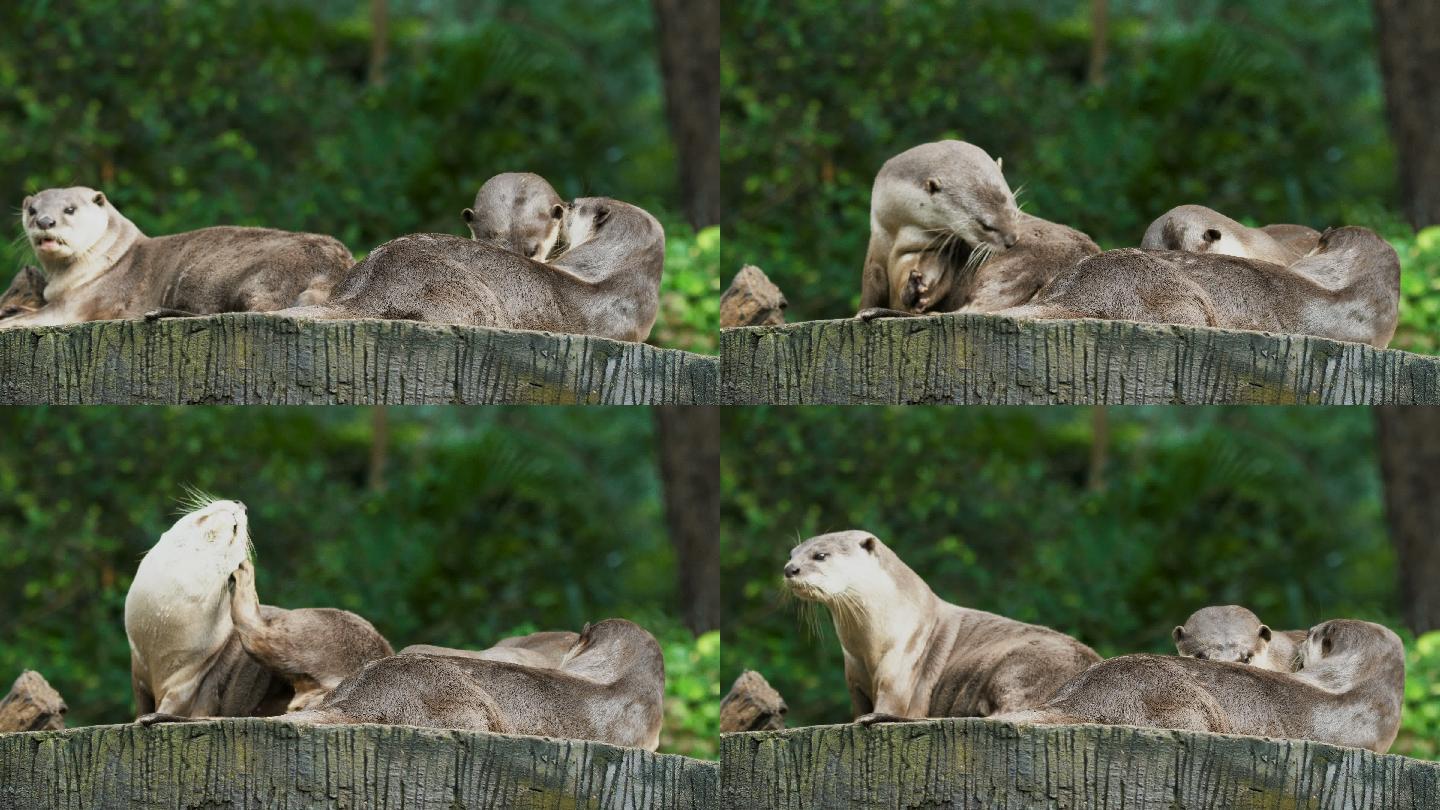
x=69, y=209
x=986, y=227
x=819, y=556
x=33, y=212
x=1201, y=656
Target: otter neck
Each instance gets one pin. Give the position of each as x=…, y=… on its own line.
x=85, y=268
x=1331, y=269
x=889, y=613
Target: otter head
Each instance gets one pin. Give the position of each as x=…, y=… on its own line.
x=26, y=293
x=218, y=531
x=586, y=218
x=824, y=568
x=518, y=212
x=612, y=647
x=1342, y=652
x=1352, y=238
x=63, y=223
x=1195, y=229
x=955, y=188
x=1222, y=633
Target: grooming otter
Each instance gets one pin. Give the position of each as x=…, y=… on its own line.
x=1348, y=289
x=517, y=211
x=610, y=688
x=1232, y=633
x=545, y=649
x=607, y=283
x=314, y=649
x=99, y=266
x=1349, y=691
x=925, y=198
x=909, y=654
x=26, y=293
x=1197, y=229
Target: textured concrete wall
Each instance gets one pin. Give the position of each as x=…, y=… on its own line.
x=268, y=765
x=261, y=359
x=984, y=764
x=985, y=359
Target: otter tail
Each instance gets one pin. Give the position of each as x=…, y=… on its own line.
x=1037, y=717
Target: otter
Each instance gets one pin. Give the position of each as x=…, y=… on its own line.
x=960, y=280
x=545, y=649
x=1349, y=691
x=1299, y=238
x=1347, y=289
x=909, y=654
x=1233, y=633
x=26, y=293
x=606, y=283
x=517, y=211
x=610, y=688
x=752, y=300
x=99, y=266
x=314, y=649
x=1197, y=229
x=926, y=198
x=185, y=657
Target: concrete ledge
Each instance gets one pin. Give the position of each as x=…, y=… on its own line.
x=975, y=763
x=256, y=359
x=990, y=360
x=248, y=763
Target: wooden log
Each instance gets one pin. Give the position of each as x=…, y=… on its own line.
x=257, y=359
x=752, y=300
x=975, y=763
x=987, y=359
x=32, y=705
x=250, y=763
x=752, y=705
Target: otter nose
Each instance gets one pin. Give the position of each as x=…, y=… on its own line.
x=1011, y=239
x=45, y=223
x=791, y=570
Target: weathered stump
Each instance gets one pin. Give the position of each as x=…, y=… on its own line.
x=987, y=359
x=752, y=299
x=32, y=705
x=976, y=763
x=256, y=359
x=752, y=705
x=265, y=764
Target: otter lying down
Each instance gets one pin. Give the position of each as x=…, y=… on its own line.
x=909, y=654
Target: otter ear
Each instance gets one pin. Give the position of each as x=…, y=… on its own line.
x=24, y=204
x=1178, y=633
x=932, y=185
x=1265, y=632
x=1000, y=163
x=868, y=544
x=1212, y=235
x=468, y=214
x=602, y=215
x=100, y=198
x=557, y=211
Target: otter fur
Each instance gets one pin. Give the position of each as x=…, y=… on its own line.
x=545, y=649
x=909, y=654
x=1347, y=289
x=1197, y=229
x=519, y=212
x=26, y=293
x=99, y=266
x=606, y=283
x=1233, y=633
x=1349, y=691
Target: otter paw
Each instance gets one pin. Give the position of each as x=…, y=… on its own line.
x=875, y=313
x=874, y=718
x=156, y=718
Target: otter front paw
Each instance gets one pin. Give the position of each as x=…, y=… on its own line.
x=156, y=718
x=879, y=717
x=874, y=313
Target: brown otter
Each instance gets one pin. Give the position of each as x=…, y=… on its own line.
x=545, y=649
x=908, y=653
x=26, y=293
x=752, y=300
x=610, y=688
x=926, y=198
x=607, y=283
x=961, y=280
x=314, y=649
x=1300, y=238
x=1348, y=691
x=99, y=266
x=1198, y=229
x=517, y=211
x=1347, y=289
x=1233, y=633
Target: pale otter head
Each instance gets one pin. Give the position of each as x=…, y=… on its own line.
x=1341, y=652
x=217, y=530
x=613, y=647
x=63, y=223
x=1354, y=238
x=518, y=212
x=584, y=220
x=954, y=188
x=825, y=568
x=1222, y=633
x=1196, y=229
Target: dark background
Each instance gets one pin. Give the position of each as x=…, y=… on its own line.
x=1106, y=113
x=365, y=120
x=451, y=526
x=1112, y=525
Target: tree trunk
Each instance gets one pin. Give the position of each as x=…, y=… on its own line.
x=1408, y=440
x=32, y=705
x=1099, y=41
x=971, y=359
x=1409, y=44
x=689, y=32
x=688, y=441
x=973, y=763
x=379, y=40
x=259, y=359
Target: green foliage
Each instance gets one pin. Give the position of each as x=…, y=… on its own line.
x=486, y=526
x=261, y=113
x=1420, y=722
x=692, y=699
x=1419, y=291
x=1230, y=104
x=1278, y=509
x=690, y=291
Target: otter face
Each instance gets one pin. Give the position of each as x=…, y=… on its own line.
x=530, y=227
x=1227, y=633
x=584, y=220
x=219, y=530
x=823, y=568
x=980, y=210
x=63, y=223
